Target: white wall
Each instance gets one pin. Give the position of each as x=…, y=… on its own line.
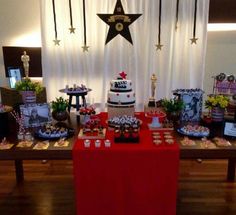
x=221, y=56
x=21, y=19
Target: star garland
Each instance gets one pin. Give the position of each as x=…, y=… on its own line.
x=56, y=41
x=72, y=29
x=103, y=16
x=159, y=46
x=84, y=47
x=194, y=39
x=177, y=15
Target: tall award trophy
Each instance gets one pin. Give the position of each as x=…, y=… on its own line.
x=152, y=102
x=25, y=60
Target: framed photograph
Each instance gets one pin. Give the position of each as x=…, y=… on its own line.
x=36, y=115
x=230, y=129
x=14, y=75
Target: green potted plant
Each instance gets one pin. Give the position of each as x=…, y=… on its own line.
x=59, y=109
x=28, y=90
x=217, y=105
x=172, y=107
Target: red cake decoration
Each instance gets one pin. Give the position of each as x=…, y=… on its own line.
x=123, y=75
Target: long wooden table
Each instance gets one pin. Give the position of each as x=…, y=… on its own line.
x=65, y=153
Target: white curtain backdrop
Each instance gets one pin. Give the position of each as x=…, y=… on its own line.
x=179, y=64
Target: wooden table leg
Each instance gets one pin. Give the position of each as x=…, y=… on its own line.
x=19, y=171
x=231, y=169
x=69, y=103
x=77, y=103
x=84, y=101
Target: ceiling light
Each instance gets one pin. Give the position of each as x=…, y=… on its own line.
x=221, y=27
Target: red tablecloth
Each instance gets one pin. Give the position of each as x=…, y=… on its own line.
x=126, y=179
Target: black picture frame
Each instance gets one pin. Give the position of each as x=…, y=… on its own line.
x=229, y=129
x=14, y=74
x=36, y=115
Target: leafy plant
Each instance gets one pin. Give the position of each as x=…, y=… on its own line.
x=172, y=105
x=217, y=101
x=27, y=85
x=59, y=105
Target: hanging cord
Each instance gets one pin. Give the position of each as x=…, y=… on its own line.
x=159, y=25
x=159, y=46
x=54, y=18
x=195, y=19
x=177, y=15
x=84, y=15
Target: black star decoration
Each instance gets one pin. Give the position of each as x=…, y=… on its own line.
x=158, y=46
x=119, y=22
x=72, y=30
x=56, y=41
x=194, y=40
x=85, y=48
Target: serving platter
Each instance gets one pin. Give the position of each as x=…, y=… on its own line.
x=194, y=132
x=53, y=135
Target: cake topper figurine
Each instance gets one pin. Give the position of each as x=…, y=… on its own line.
x=153, y=89
x=25, y=59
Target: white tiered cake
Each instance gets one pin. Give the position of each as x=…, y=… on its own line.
x=121, y=97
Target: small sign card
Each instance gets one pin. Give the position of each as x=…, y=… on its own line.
x=41, y=145
x=230, y=129
x=4, y=144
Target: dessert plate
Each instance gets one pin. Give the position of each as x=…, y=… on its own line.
x=53, y=135
x=75, y=91
x=194, y=131
x=113, y=126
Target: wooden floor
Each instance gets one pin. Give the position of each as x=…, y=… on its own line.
x=48, y=189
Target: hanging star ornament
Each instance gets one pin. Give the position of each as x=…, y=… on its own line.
x=194, y=40
x=72, y=30
x=85, y=48
x=56, y=42
x=176, y=27
x=177, y=15
x=158, y=46
x=119, y=22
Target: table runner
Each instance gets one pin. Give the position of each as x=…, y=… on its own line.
x=126, y=179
